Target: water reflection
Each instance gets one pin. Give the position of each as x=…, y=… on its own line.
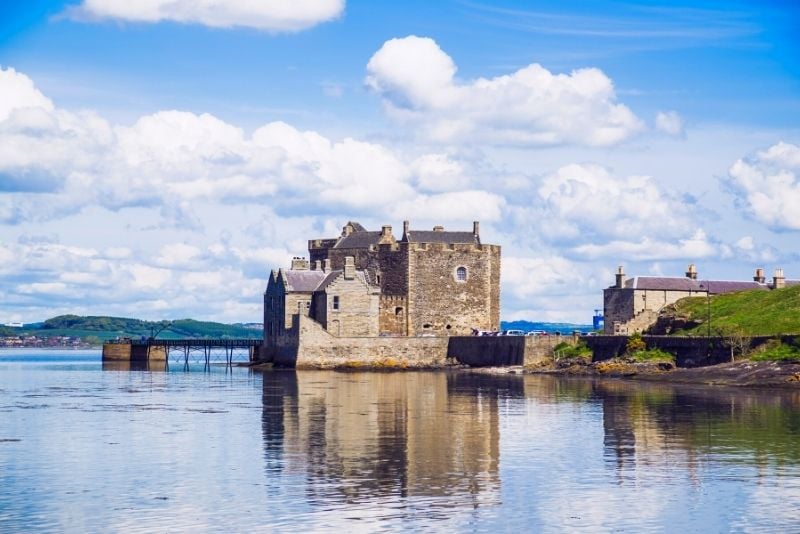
x=362, y=436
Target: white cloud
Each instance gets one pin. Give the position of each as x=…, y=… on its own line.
x=670, y=123
x=269, y=15
x=19, y=92
x=767, y=186
x=647, y=248
x=439, y=172
x=531, y=106
x=462, y=206
x=587, y=203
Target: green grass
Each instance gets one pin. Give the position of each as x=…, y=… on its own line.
x=652, y=355
x=566, y=350
x=757, y=313
x=774, y=350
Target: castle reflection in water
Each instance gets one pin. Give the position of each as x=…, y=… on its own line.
x=381, y=434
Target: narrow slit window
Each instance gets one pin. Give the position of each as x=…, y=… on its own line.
x=336, y=302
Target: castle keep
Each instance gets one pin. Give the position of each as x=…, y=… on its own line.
x=368, y=283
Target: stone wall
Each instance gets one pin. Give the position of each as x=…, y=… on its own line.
x=308, y=345
x=132, y=353
x=688, y=351
x=494, y=351
x=357, y=313
x=622, y=307
x=439, y=303
x=393, y=315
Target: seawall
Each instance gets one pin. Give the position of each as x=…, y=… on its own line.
x=308, y=345
x=128, y=352
x=688, y=351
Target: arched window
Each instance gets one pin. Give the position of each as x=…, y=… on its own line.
x=461, y=274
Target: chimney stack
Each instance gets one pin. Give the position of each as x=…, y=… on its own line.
x=386, y=235
x=347, y=229
x=438, y=228
x=759, y=276
x=326, y=265
x=349, y=267
x=299, y=264
x=406, y=227
x=620, y=277
x=778, y=281
x=476, y=228
x=691, y=272
x=317, y=265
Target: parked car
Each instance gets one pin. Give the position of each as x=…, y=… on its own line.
x=536, y=333
x=513, y=333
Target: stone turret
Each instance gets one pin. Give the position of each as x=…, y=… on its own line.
x=691, y=272
x=620, y=277
x=778, y=281
x=759, y=276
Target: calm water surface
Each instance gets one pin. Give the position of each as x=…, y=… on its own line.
x=85, y=448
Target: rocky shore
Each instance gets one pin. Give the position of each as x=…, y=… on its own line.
x=743, y=373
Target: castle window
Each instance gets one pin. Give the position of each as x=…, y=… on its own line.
x=336, y=302
x=426, y=325
x=398, y=310
x=461, y=274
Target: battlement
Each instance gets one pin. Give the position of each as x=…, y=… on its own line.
x=316, y=244
x=451, y=247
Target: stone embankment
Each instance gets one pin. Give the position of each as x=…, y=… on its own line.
x=307, y=345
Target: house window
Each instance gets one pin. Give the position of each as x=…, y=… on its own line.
x=461, y=274
x=336, y=302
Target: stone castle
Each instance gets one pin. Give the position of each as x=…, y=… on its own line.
x=633, y=304
x=428, y=283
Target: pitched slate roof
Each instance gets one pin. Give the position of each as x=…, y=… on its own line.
x=432, y=236
x=361, y=239
x=303, y=281
x=675, y=283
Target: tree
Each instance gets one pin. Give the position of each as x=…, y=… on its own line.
x=735, y=339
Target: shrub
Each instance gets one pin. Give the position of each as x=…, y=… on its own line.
x=652, y=355
x=635, y=343
x=566, y=350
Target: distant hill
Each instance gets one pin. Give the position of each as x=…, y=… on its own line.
x=756, y=313
x=104, y=327
x=528, y=326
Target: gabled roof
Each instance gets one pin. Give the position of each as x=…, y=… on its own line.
x=676, y=283
x=333, y=275
x=302, y=281
x=433, y=236
x=360, y=239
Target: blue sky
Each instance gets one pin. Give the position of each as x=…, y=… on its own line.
x=157, y=161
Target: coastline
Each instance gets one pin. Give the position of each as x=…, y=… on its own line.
x=743, y=373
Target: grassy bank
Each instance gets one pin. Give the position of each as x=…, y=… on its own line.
x=755, y=313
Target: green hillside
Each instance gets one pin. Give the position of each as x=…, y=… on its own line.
x=757, y=313
x=104, y=328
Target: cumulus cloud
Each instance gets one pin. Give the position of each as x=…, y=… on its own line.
x=766, y=186
x=455, y=206
x=695, y=246
x=269, y=15
x=587, y=202
x=532, y=106
x=670, y=123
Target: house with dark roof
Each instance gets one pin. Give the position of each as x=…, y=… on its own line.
x=342, y=301
x=426, y=283
x=633, y=304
